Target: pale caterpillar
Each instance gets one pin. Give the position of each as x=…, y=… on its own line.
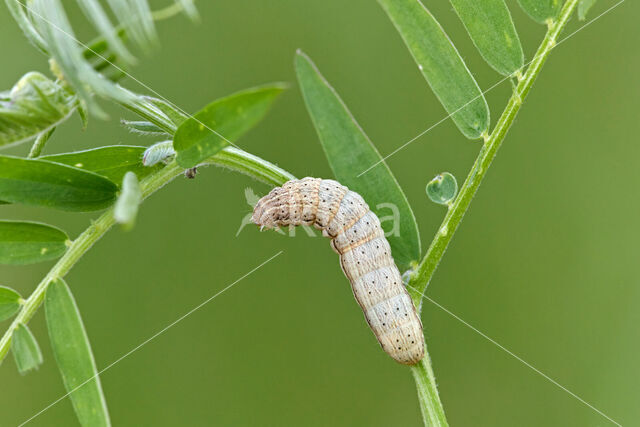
x=365, y=256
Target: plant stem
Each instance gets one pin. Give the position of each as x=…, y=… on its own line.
x=235, y=159
x=420, y=279
x=432, y=411
x=430, y=405
x=248, y=164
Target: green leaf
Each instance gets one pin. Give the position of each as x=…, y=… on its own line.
x=158, y=152
x=43, y=183
x=441, y=65
x=94, y=12
x=25, y=349
x=30, y=242
x=171, y=111
x=190, y=9
x=68, y=61
x=99, y=49
x=583, y=8
x=350, y=152
x=153, y=110
x=221, y=122
x=136, y=17
x=111, y=161
x=489, y=24
x=143, y=128
x=442, y=189
x=9, y=303
x=73, y=354
x=34, y=105
x=103, y=59
x=541, y=10
x=16, y=9
x=127, y=204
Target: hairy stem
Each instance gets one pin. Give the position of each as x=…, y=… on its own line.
x=430, y=405
x=248, y=164
x=432, y=411
x=235, y=159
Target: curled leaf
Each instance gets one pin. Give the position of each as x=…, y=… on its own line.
x=26, y=350
x=583, y=8
x=34, y=105
x=143, y=128
x=159, y=152
x=443, y=189
x=127, y=204
x=68, y=61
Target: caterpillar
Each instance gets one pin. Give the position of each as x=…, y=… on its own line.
x=365, y=256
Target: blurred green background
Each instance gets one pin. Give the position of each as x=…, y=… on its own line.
x=545, y=263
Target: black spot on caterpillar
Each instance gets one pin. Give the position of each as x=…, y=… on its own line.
x=365, y=256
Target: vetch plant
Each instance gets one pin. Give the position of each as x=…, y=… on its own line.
x=117, y=179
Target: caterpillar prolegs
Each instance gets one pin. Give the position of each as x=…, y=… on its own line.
x=365, y=256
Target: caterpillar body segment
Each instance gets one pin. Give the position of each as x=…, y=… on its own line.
x=365, y=256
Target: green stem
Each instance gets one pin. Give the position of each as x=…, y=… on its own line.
x=432, y=411
x=248, y=164
x=430, y=405
x=235, y=159
x=421, y=277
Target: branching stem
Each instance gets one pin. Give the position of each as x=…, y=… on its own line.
x=238, y=160
x=230, y=157
x=432, y=411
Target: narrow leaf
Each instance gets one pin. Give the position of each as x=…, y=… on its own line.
x=350, y=152
x=31, y=33
x=221, y=122
x=25, y=349
x=489, y=24
x=159, y=152
x=72, y=351
x=43, y=183
x=143, y=128
x=30, y=242
x=68, y=61
x=583, y=8
x=127, y=204
x=111, y=161
x=541, y=10
x=441, y=65
x=9, y=303
x=151, y=111
x=104, y=59
x=137, y=19
x=171, y=111
x=34, y=105
x=96, y=14
x=190, y=9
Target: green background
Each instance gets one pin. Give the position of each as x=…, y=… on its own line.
x=545, y=262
